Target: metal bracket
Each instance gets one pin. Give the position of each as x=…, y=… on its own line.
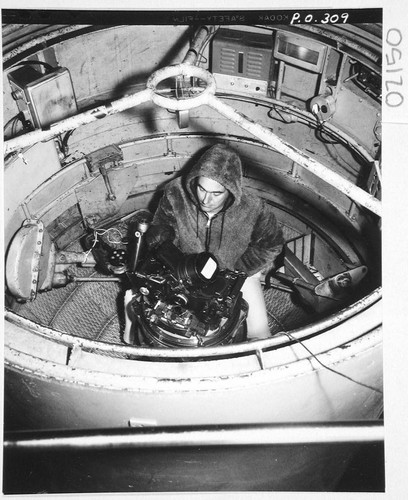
x=35, y=269
x=74, y=354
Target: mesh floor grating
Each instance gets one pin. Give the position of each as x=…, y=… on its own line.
x=94, y=310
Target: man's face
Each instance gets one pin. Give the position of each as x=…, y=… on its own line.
x=211, y=195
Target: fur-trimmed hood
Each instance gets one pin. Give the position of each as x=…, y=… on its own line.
x=244, y=235
x=221, y=164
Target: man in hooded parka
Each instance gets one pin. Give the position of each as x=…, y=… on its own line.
x=209, y=210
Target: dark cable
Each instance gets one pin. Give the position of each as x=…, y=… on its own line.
x=42, y=63
x=331, y=369
x=16, y=117
x=14, y=126
x=275, y=108
x=320, y=131
x=210, y=35
x=65, y=140
x=13, y=122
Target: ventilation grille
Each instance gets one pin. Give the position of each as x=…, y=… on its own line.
x=255, y=64
x=242, y=54
x=227, y=63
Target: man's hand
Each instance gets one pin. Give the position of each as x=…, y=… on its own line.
x=158, y=234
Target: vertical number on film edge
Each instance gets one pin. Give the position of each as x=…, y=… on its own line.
x=393, y=56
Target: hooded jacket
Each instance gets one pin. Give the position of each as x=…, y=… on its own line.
x=244, y=235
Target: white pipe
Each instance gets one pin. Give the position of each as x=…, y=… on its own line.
x=199, y=38
x=348, y=188
x=268, y=434
x=40, y=40
x=207, y=96
x=74, y=122
x=186, y=71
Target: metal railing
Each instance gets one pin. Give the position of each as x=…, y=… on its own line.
x=215, y=435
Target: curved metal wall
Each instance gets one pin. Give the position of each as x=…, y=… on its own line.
x=49, y=391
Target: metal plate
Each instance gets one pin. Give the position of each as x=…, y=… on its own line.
x=27, y=260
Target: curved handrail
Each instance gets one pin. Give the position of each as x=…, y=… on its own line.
x=198, y=352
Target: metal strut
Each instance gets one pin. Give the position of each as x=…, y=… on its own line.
x=206, y=97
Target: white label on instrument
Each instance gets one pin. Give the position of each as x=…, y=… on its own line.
x=209, y=269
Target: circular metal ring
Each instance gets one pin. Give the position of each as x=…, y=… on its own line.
x=181, y=70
